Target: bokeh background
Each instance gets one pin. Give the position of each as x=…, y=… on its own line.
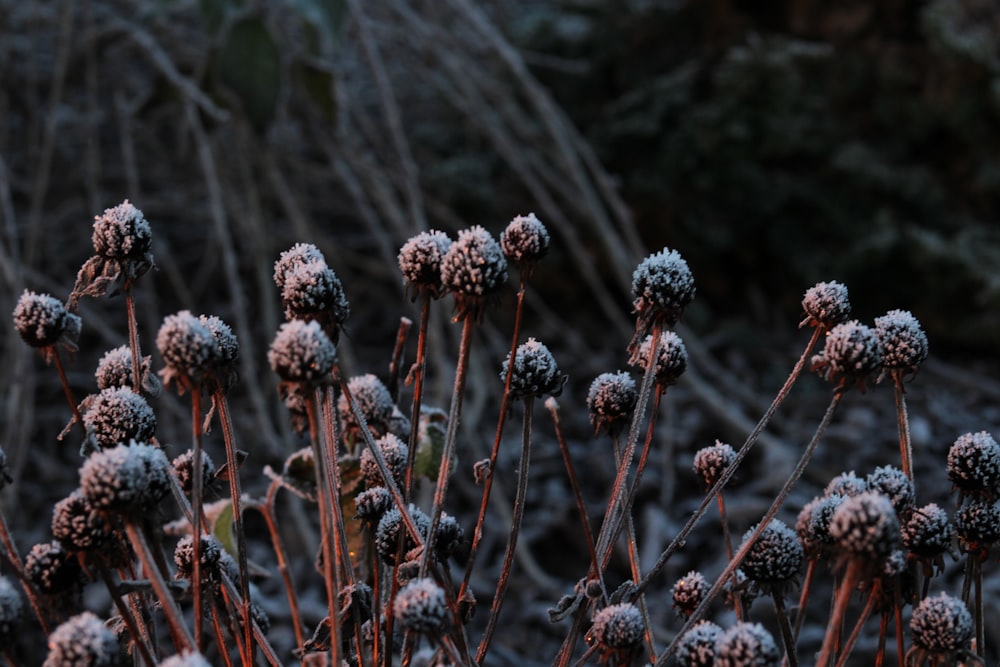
x=774, y=144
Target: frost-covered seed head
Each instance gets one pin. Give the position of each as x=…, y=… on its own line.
x=618, y=627
x=710, y=462
x=118, y=415
x=188, y=348
x=525, y=241
x=211, y=553
x=126, y=478
x=535, y=371
x=852, y=352
x=893, y=483
x=775, y=557
x=865, y=526
x=449, y=536
x=42, y=321
x=928, y=532
x=813, y=523
x=302, y=353
x=846, y=484
x=224, y=367
x=52, y=569
x=115, y=369
x=421, y=606
x=394, y=451
x=473, y=269
x=371, y=504
x=77, y=525
x=662, y=286
x=374, y=402
x=11, y=610
x=611, y=401
x=82, y=641
x=313, y=291
x=977, y=525
x=388, y=531
x=974, y=464
x=697, y=647
x=746, y=645
x=688, y=592
x=184, y=469
x=296, y=256
x=941, y=624
x=420, y=261
x=826, y=305
x=122, y=233
x=670, y=363
x=186, y=659
x=904, y=343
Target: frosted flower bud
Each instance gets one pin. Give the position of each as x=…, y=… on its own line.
x=186, y=659
x=865, y=526
x=42, y=321
x=670, y=363
x=420, y=262
x=662, y=286
x=421, y=606
x=688, y=592
x=974, y=464
x=852, y=352
x=301, y=352
x=188, y=348
x=775, y=558
x=122, y=233
x=904, y=343
x=394, y=451
x=373, y=400
x=618, y=627
x=52, y=569
x=846, y=484
x=928, y=532
x=291, y=259
x=211, y=552
x=371, y=504
x=473, y=269
x=977, y=525
x=893, y=483
x=183, y=466
x=115, y=370
x=224, y=365
x=826, y=305
x=11, y=611
x=746, y=645
x=118, y=415
x=525, y=241
x=388, y=531
x=941, y=624
x=535, y=372
x=697, y=647
x=313, y=291
x=127, y=478
x=77, y=525
x=449, y=536
x=82, y=641
x=710, y=462
x=611, y=401
x=813, y=524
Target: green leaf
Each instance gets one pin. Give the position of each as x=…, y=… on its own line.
x=249, y=64
x=222, y=528
x=430, y=442
x=325, y=17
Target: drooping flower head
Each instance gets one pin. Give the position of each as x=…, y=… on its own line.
x=525, y=242
x=662, y=287
x=122, y=241
x=826, y=305
x=473, y=270
x=535, y=372
x=43, y=322
x=611, y=401
x=420, y=263
x=852, y=353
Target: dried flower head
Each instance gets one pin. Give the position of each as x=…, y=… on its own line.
x=826, y=305
x=118, y=415
x=128, y=478
x=611, y=401
x=371, y=504
x=813, y=524
x=420, y=606
x=186, y=659
x=662, y=286
x=211, y=553
x=420, y=262
x=183, y=466
x=188, y=348
x=524, y=242
x=670, y=363
x=697, y=647
x=941, y=624
x=535, y=372
x=710, y=462
x=388, y=531
x=394, y=451
x=291, y=259
x=78, y=526
x=42, y=321
x=974, y=465
x=313, y=291
x=746, y=645
x=122, y=241
x=928, y=532
x=302, y=353
x=977, y=525
x=53, y=570
x=224, y=367
x=82, y=641
x=449, y=536
x=617, y=627
x=774, y=559
x=852, y=353
x=115, y=370
x=893, y=483
x=865, y=527
x=374, y=402
x=473, y=270
x=904, y=343
x=846, y=484
x=688, y=592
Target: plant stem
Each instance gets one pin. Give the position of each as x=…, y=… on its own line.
x=786, y=629
x=133, y=338
x=197, y=485
x=417, y=370
x=15, y=562
x=856, y=632
x=77, y=417
x=804, y=595
x=139, y=638
x=905, y=444
x=395, y=365
x=847, y=585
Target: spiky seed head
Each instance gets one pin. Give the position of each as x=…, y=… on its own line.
x=775, y=558
x=388, y=531
x=618, y=627
x=662, y=286
x=904, y=343
x=525, y=241
x=813, y=524
x=118, y=415
x=52, y=569
x=974, y=464
x=188, y=348
x=710, y=462
x=826, y=305
x=420, y=262
x=374, y=402
x=611, y=400
x=296, y=256
x=115, y=370
x=224, y=368
x=82, y=641
x=302, y=353
x=371, y=504
x=449, y=536
x=941, y=624
x=421, y=606
x=697, y=647
x=394, y=451
x=473, y=270
x=928, y=531
x=535, y=372
x=122, y=233
x=688, y=592
x=865, y=527
x=893, y=483
x=846, y=484
x=977, y=525
x=670, y=363
x=77, y=525
x=746, y=645
x=183, y=466
x=11, y=610
x=186, y=659
x=127, y=478
x=313, y=291
x=43, y=321
x=211, y=552
x=852, y=353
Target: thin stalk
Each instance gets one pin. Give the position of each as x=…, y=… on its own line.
x=737, y=599
x=77, y=417
x=847, y=585
x=267, y=651
x=395, y=364
x=900, y=652
x=856, y=632
x=804, y=595
x=133, y=338
x=30, y=591
x=883, y=631
x=138, y=637
x=220, y=637
x=786, y=629
x=515, y=527
x=728, y=473
x=197, y=486
x=748, y=543
x=980, y=633
x=903, y=422
x=417, y=370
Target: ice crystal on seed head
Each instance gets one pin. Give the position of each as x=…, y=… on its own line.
x=449, y=536
x=893, y=483
x=525, y=241
x=118, y=415
x=904, y=343
x=115, y=370
x=11, y=610
x=611, y=401
x=846, y=484
x=296, y=256
x=826, y=305
x=746, y=645
x=229, y=346
x=688, y=592
x=122, y=233
x=394, y=451
x=420, y=262
x=618, y=626
x=774, y=558
x=125, y=478
x=77, y=525
x=52, y=569
x=43, y=321
x=535, y=372
x=82, y=641
x=710, y=462
x=928, y=531
x=301, y=352
x=697, y=647
x=211, y=553
x=941, y=624
x=421, y=606
x=388, y=531
x=188, y=348
x=977, y=525
x=670, y=363
x=313, y=291
x=974, y=464
x=662, y=286
x=813, y=523
x=852, y=352
x=865, y=526
x=371, y=504
x=473, y=269
x=183, y=466
x=186, y=659
x=373, y=400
